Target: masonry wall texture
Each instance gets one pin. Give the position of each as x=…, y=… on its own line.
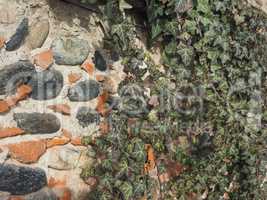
x=49, y=91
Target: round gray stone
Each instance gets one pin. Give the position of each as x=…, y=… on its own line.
x=46, y=84
x=84, y=91
x=37, y=123
x=70, y=51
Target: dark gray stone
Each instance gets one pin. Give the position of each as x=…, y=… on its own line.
x=15, y=74
x=84, y=91
x=19, y=180
x=43, y=194
x=46, y=84
x=70, y=51
x=87, y=116
x=17, y=39
x=37, y=123
x=100, y=62
x=115, y=56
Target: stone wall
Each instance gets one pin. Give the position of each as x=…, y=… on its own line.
x=53, y=75
x=260, y=4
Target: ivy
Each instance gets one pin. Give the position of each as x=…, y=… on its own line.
x=213, y=121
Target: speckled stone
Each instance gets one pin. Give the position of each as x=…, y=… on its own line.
x=19, y=180
x=87, y=116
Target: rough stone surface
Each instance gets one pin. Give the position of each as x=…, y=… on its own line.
x=100, y=62
x=70, y=51
x=7, y=14
x=87, y=116
x=64, y=158
x=61, y=108
x=109, y=85
x=57, y=141
x=74, y=77
x=261, y=4
x=28, y=151
x=37, y=34
x=9, y=132
x=4, y=196
x=37, y=123
x=46, y=84
x=13, y=75
x=43, y=194
x=2, y=41
x=3, y=155
x=44, y=59
x=19, y=180
x=17, y=39
x=84, y=91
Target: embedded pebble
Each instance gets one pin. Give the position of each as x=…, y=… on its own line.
x=84, y=91
x=46, y=84
x=13, y=75
x=87, y=116
x=43, y=194
x=37, y=123
x=70, y=51
x=37, y=34
x=19, y=180
x=100, y=62
x=17, y=39
x=64, y=158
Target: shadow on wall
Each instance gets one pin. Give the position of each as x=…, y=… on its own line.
x=66, y=10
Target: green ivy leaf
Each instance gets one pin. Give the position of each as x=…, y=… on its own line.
x=156, y=30
x=139, y=152
x=172, y=27
x=127, y=190
x=107, y=182
x=190, y=26
x=123, y=167
x=139, y=187
x=203, y=6
x=186, y=53
x=213, y=55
